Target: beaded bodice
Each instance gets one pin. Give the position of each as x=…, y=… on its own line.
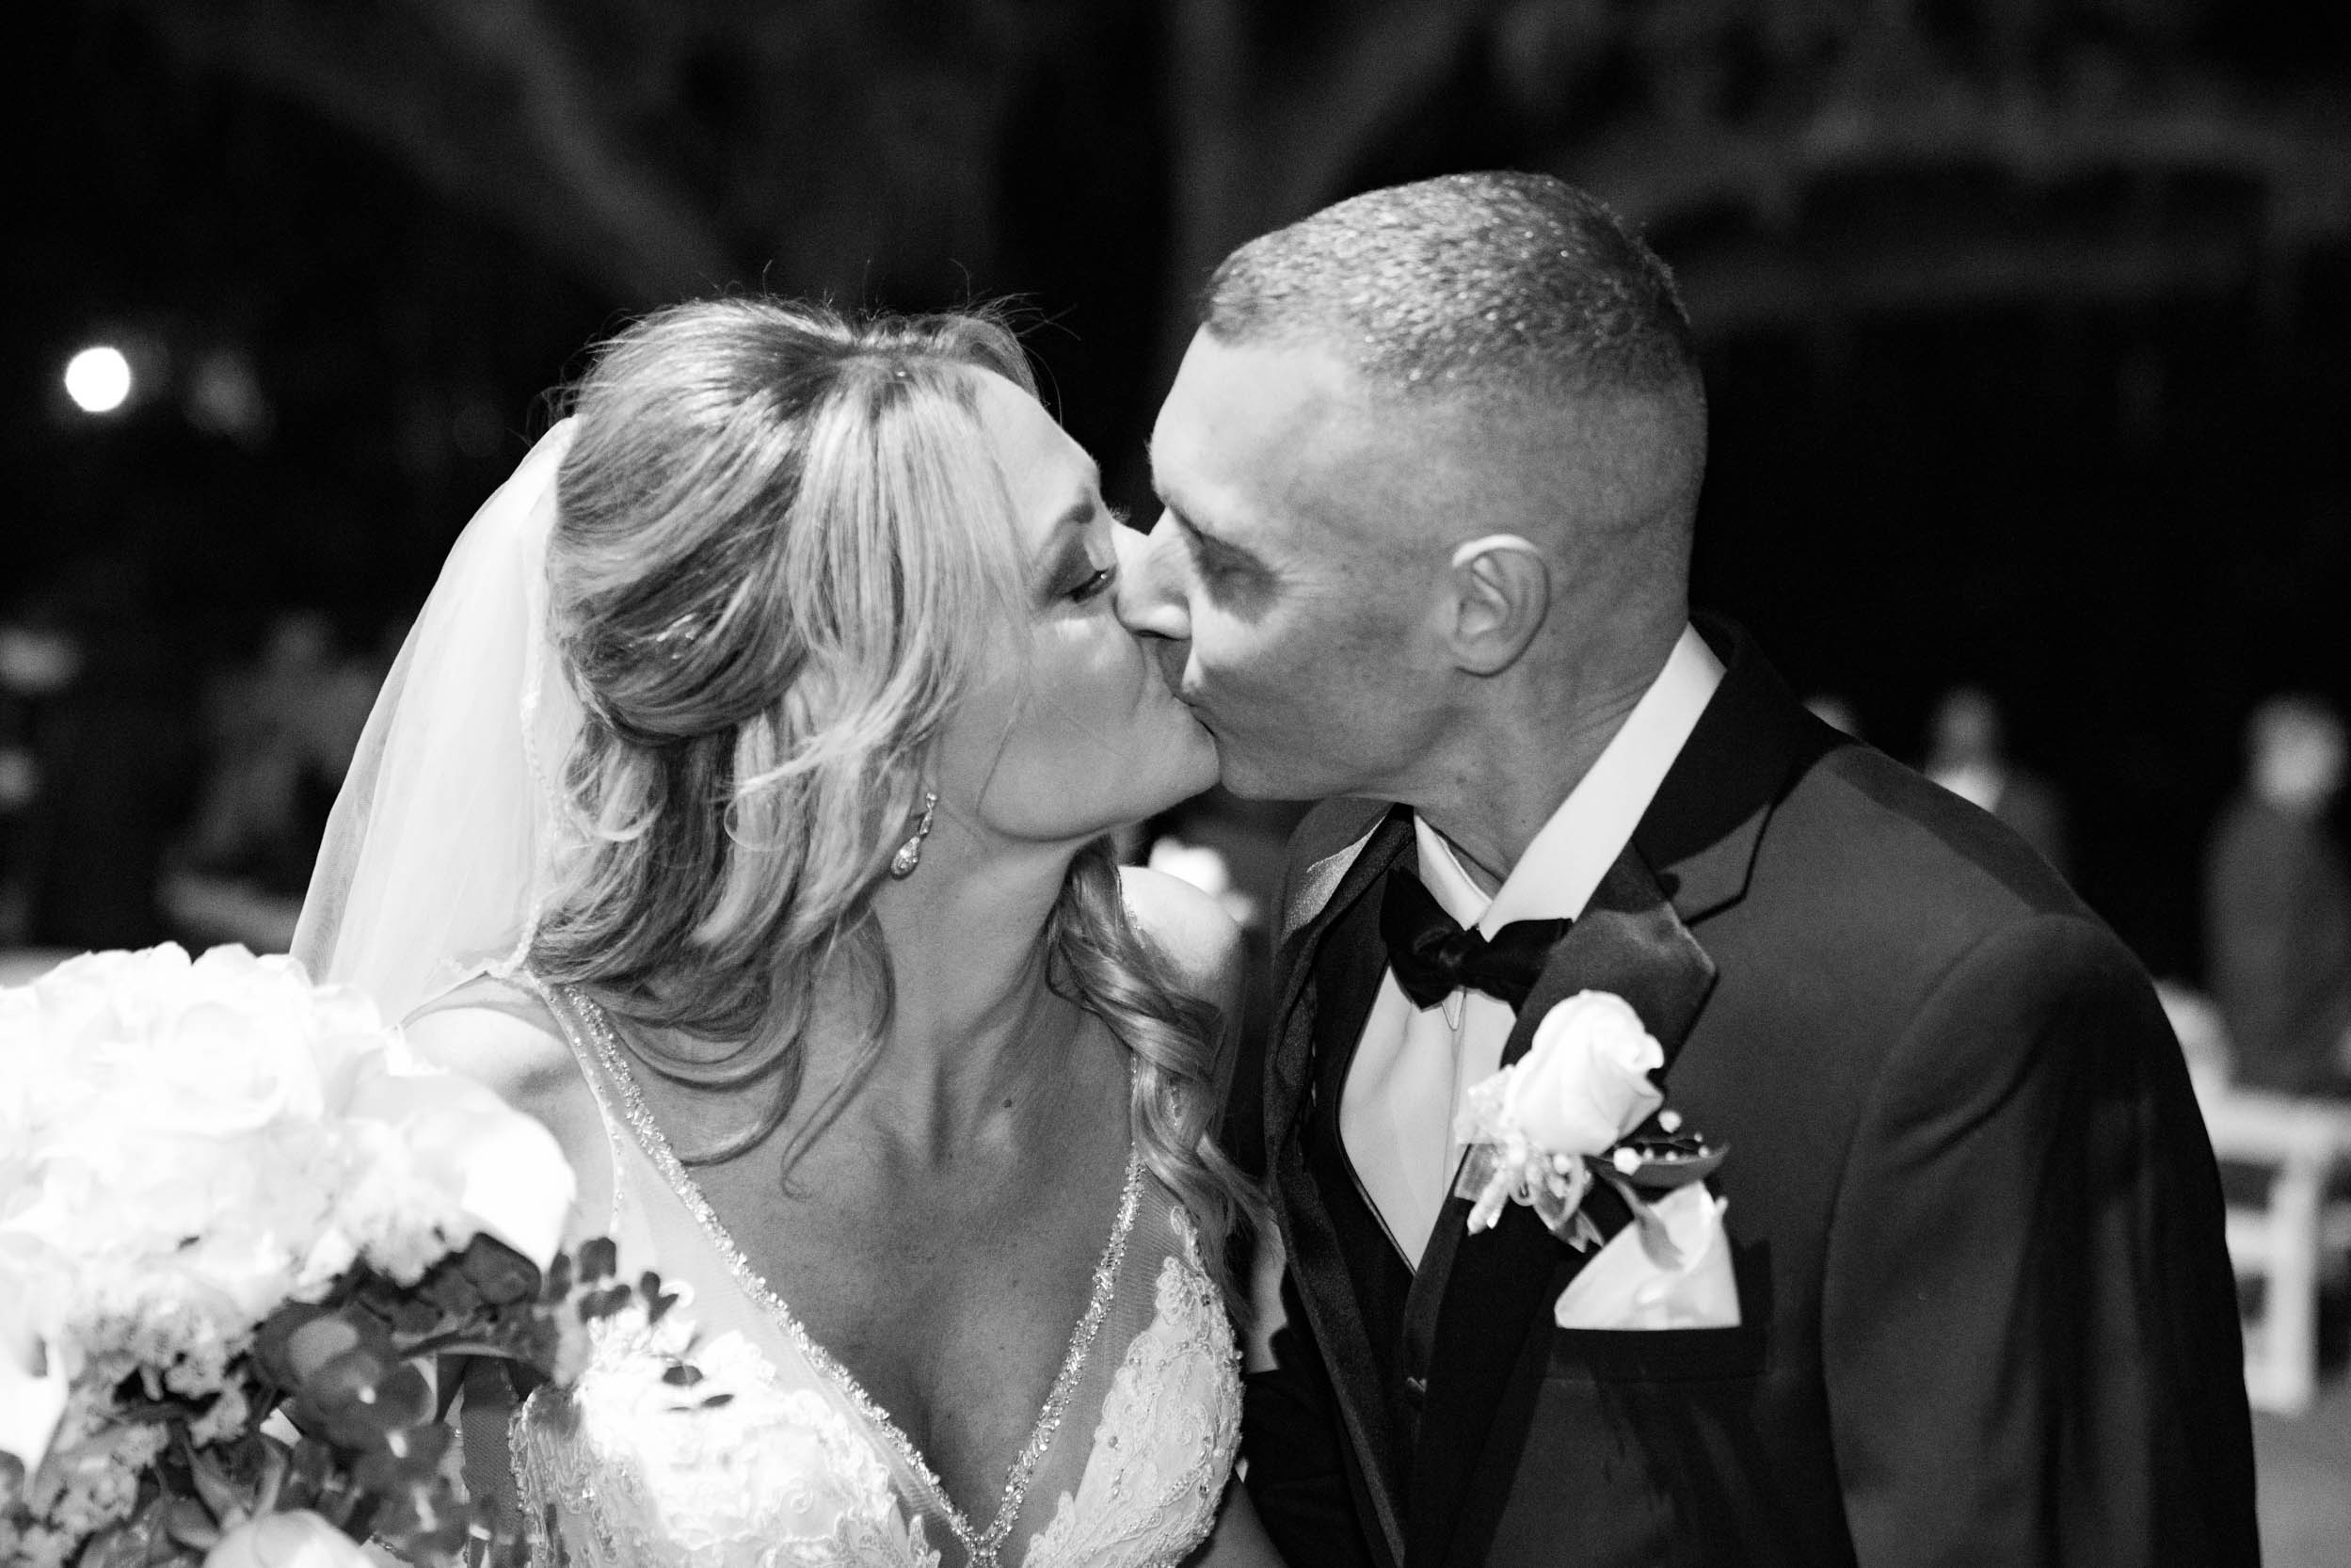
x=724, y=1435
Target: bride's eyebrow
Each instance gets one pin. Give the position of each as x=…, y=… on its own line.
x=1075, y=517
x=1064, y=540
x=1082, y=507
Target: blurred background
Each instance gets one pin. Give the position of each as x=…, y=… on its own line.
x=2026, y=322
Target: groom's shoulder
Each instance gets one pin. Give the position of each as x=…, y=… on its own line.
x=1864, y=868
x=1886, y=921
x=1916, y=825
x=1912, y=942
x=1892, y=870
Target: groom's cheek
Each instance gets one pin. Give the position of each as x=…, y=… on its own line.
x=1262, y=696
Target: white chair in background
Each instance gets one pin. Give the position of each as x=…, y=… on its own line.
x=2295, y=1243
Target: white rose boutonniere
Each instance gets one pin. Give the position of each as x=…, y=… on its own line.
x=1584, y=1082
x=1543, y=1129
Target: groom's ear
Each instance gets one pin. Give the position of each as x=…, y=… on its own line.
x=1501, y=589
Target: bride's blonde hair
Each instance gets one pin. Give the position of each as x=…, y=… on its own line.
x=782, y=545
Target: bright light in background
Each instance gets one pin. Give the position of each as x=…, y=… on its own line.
x=98, y=379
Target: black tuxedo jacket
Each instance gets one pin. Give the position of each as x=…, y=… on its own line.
x=1989, y=1317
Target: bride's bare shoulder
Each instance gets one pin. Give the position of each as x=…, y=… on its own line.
x=499, y=1033
x=1192, y=930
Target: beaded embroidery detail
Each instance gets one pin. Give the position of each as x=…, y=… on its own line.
x=982, y=1546
x=1149, y=1503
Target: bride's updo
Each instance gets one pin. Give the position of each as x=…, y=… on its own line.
x=782, y=544
x=779, y=538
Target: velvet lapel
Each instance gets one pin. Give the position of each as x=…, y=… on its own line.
x=1476, y=1298
x=1334, y=967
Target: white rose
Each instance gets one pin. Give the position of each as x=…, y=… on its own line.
x=1584, y=1082
x=217, y=1047
x=300, y=1539
x=502, y=1168
x=235, y=1214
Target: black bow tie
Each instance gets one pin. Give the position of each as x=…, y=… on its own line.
x=1433, y=957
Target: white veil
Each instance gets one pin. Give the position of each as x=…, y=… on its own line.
x=439, y=853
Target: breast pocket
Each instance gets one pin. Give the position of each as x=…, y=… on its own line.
x=1647, y=1447
x=1676, y=1355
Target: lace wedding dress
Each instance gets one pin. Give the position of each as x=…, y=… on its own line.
x=767, y=1452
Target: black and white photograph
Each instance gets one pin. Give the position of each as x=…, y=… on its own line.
x=1177, y=784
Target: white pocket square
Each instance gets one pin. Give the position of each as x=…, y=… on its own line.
x=1624, y=1288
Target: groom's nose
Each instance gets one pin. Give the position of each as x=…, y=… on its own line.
x=1151, y=601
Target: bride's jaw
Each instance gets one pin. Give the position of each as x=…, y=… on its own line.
x=1069, y=771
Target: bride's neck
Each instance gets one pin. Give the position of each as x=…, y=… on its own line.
x=965, y=941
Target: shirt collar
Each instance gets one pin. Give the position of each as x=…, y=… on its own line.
x=1573, y=850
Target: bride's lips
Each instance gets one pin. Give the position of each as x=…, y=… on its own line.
x=1161, y=688
x=1167, y=660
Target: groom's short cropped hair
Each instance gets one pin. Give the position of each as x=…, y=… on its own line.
x=1497, y=285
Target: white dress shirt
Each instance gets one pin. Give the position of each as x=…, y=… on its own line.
x=1413, y=1065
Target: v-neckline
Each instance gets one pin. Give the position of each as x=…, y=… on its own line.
x=981, y=1547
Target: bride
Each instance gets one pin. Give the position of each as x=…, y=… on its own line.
x=735, y=808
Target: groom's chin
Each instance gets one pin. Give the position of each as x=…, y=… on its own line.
x=1248, y=778
x=1258, y=764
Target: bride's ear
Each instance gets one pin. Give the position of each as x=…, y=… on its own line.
x=1501, y=591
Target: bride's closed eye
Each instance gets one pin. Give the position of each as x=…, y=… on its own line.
x=1082, y=581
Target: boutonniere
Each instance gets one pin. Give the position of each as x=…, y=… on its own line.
x=1570, y=1113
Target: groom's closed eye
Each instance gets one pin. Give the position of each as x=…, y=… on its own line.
x=1228, y=574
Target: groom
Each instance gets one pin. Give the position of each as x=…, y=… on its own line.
x=1430, y=470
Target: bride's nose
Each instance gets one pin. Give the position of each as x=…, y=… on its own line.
x=1150, y=583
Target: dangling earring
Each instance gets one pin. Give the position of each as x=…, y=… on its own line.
x=909, y=853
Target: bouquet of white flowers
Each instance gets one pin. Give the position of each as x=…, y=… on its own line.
x=224, y=1191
